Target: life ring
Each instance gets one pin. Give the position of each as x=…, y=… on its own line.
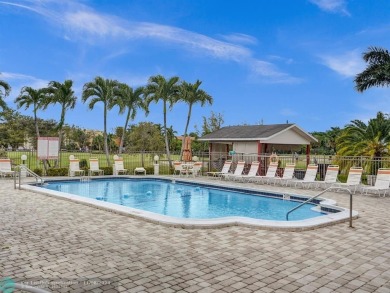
x=273, y=158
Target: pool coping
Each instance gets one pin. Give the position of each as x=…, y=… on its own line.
x=300, y=225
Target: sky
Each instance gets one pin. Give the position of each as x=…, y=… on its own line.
x=263, y=62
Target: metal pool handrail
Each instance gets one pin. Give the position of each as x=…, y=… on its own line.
x=28, y=171
x=322, y=192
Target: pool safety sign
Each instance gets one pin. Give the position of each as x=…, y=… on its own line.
x=48, y=148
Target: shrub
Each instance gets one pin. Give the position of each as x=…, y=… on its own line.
x=149, y=170
x=83, y=164
x=107, y=170
x=57, y=172
x=38, y=171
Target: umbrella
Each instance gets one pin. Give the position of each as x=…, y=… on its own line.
x=187, y=155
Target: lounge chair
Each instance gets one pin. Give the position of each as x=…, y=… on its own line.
x=5, y=168
x=74, y=168
x=353, y=180
x=119, y=167
x=288, y=175
x=225, y=169
x=271, y=173
x=179, y=169
x=330, y=177
x=195, y=170
x=382, y=182
x=237, y=172
x=94, y=167
x=310, y=176
x=253, y=171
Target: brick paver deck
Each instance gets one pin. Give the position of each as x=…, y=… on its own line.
x=83, y=249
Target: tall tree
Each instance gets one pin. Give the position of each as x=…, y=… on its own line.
x=361, y=139
x=62, y=94
x=192, y=94
x=131, y=100
x=101, y=90
x=5, y=90
x=30, y=97
x=167, y=91
x=377, y=72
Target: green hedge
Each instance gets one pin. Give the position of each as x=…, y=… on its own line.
x=107, y=170
x=57, y=172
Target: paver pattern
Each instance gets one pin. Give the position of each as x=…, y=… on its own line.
x=77, y=248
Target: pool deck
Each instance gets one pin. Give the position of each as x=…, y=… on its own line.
x=78, y=248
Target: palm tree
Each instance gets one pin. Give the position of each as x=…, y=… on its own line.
x=101, y=90
x=61, y=93
x=159, y=88
x=377, y=72
x=191, y=94
x=4, y=92
x=127, y=98
x=360, y=139
x=29, y=96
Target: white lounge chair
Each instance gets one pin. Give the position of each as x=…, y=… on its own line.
x=5, y=168
x=310, y=176
x=237, y=172
x=382, y=182
x=288, y=175
x=330, y=177
x=119, y=167
x=253, y=171
x=271, y=173
x=74, y=168
x=195, y=170
x=94, y=167
x=225, y=169
x=179, y=169
x=353, y=180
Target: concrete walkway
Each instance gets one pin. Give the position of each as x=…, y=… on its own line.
x=70, y=247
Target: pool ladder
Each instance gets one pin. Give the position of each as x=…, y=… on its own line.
x=322, y=192
x=85, y=179
x=27, y=171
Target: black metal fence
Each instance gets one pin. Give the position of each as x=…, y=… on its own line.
x=213, y=162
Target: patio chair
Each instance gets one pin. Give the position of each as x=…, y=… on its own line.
x=5, y=168
x=353, y=180
x=74, y=168
x=271, y=173
x=382, y=182
x=330, y=177
x=288, y=175
x=310, y=176
x=195, y=170
x=225, y=169
x=119, y=167
x=253, y=171
x=237, y=172
x=94, y=167
x=179, y=169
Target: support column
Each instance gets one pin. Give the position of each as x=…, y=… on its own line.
x=308, y=154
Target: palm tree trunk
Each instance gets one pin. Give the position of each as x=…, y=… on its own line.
x=166, y=135
x=124, y=131
x=105, y=136
x=185, y=131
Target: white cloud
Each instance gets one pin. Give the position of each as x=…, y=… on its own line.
x=80, y=23
x=239, y=38
x=335, y=6
x=348, y=64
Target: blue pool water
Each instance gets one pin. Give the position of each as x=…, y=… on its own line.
x=184, y=200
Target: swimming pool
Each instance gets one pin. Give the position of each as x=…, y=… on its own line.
x=185, y=200
x=180, y=195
